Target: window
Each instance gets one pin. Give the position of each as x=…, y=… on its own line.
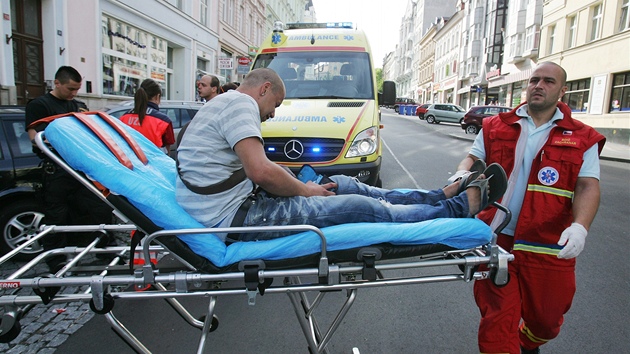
x=572, y=32
x=530, y=38
x=620, y=96
x=577, y=94
x=552, y=37
x=624, y=19
x=596, y=22
x=203, y=12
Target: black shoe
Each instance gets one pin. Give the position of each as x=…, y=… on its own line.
x=530, y=351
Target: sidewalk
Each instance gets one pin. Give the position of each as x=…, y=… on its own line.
x=611, y=152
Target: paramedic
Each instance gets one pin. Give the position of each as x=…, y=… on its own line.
x=146, y=118
x=208, y=87
x=66, y=201
x=553, y=193
x=224, y=148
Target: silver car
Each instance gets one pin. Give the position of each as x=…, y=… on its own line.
x=444, y=112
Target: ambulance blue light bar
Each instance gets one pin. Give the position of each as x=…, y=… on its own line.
x=319, y=25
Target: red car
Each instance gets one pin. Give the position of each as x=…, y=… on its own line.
x=474, y=117
x=421, y=110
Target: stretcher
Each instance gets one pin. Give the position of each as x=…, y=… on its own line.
x=182, y=258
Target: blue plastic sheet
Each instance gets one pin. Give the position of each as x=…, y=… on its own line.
x=151, y=189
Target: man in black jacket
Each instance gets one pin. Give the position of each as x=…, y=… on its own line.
x=66, y=201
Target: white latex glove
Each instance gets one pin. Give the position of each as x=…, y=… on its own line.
x=457, y=175
x=573, y=239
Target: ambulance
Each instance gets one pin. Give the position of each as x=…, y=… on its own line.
x=330, y=118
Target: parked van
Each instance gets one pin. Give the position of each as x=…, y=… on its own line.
x=330, y=118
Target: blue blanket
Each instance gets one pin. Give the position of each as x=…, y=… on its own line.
x=151, y=189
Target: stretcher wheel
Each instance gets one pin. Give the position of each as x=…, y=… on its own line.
x=12, y=333
x=108, y=304
x=215, y=322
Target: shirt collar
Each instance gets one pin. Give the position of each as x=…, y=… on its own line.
x=522, y=112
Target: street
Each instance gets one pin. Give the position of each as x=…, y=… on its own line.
x=429, y=318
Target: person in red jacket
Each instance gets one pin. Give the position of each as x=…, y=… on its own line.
x=553, y=194
x=146, y=117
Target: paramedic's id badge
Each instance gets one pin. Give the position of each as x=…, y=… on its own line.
x=548, y=176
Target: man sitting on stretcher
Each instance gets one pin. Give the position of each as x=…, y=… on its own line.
x=221, y=160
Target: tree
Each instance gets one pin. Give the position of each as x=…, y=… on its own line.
x=379, y=79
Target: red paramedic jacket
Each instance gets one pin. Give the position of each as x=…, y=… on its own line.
x=548, y=202
x=156, y=125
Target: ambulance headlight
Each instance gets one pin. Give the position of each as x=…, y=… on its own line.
x=364, y=144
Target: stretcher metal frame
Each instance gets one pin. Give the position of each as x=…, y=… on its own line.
x=107, y=285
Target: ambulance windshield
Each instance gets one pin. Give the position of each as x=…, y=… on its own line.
x=324, y=75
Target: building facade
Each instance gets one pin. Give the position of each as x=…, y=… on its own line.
x=485, y=51
x=591, y=40
x=171, y=41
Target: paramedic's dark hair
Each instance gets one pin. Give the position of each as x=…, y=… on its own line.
x=227, y=87
x=66, y=73
x=147, y=90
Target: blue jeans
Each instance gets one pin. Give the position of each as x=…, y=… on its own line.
x=355, y=202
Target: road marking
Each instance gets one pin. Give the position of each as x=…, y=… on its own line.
x=400, y=164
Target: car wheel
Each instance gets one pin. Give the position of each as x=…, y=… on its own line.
x=471, y=129
x=431, y=119
x=461, y=121
x=20, y=221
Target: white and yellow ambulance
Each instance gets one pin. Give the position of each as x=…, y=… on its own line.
x=330, y=118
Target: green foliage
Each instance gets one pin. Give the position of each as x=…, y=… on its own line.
x=379, y=79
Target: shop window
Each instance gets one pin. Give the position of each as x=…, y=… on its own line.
x=577, y=94
x=620, y=95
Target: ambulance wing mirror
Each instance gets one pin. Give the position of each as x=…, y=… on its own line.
x=388, y=97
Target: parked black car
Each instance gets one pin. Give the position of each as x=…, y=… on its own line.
x=21, y=211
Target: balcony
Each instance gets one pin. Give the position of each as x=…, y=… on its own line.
x=516, y=59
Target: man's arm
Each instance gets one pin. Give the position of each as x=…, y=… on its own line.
x=586, y=201
x=34, y=110
x=585, y=205
x=272, y=177
x=467, y=162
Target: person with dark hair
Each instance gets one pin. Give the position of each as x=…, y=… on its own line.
x=66, y=201
x=146, y=118
x=208, y=87
x=228, y=86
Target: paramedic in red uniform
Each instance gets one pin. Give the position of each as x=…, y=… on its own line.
x=553, y=193
x=146, y=117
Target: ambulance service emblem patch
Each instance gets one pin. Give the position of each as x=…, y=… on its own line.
x=548, y=176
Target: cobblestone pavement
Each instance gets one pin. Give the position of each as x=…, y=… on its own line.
x=46, y=327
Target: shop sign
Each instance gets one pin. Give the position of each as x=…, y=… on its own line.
x=244, y=61
x=494, y=72
x=158, y=76
x=225, y=63
x=252, y=51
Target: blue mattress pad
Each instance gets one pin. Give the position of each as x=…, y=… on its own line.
x=151, y=189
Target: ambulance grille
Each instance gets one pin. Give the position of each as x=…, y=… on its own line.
x=345, y=104
x=303, y=150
